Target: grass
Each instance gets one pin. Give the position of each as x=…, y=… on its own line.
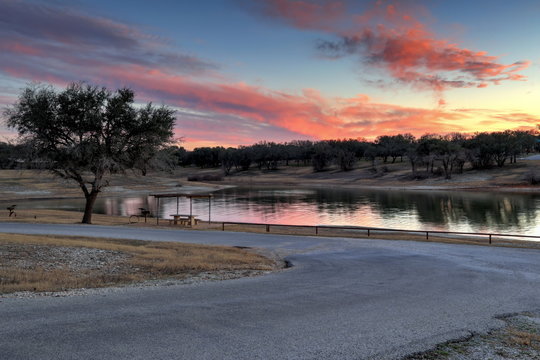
x=518, y=339
x=43, y=216
x=134, y=261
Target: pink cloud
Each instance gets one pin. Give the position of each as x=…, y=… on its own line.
x=389, y=36
x=241, y=114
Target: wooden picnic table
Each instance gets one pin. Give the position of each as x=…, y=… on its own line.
x=185, y=219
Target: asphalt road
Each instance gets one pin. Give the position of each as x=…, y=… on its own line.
x=343, y=299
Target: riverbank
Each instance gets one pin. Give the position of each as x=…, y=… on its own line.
x=34, y=184
x=396, y=176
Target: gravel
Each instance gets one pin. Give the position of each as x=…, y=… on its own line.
x=48, y=258
x=519, y=339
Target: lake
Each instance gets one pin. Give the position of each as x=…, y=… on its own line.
x=414, y=210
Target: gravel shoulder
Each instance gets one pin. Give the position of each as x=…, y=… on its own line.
x=519, y=338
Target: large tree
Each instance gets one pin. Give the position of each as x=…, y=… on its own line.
x=86, y=133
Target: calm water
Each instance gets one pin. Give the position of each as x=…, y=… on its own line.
x=453, y=211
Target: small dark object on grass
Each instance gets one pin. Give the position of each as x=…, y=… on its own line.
x=144, y=213
x=12, y=210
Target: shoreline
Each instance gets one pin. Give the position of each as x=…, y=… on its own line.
x=28, y=185
x=212, y=188
x=490, y=188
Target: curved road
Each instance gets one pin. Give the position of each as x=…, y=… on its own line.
x=343, y=299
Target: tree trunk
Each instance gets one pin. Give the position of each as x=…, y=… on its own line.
x=413, y=166
x=447, y=170
x=90, y=201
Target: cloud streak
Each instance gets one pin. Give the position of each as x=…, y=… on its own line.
x=388, y=37
x=53, y=35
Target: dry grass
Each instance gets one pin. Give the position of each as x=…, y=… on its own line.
x=519, y=339
x=43, y=216
x=523, y=338
x=135, y=261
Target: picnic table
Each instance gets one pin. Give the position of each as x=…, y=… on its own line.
x=185, y=219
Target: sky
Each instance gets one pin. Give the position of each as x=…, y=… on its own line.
x=242, y=71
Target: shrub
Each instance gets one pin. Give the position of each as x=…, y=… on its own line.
x=532, y=177
x=205, y=177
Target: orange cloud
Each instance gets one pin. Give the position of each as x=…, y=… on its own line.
x=388, y=36
x=241, y=114
x=309, y=114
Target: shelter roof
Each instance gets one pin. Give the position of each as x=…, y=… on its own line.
x=187, y=195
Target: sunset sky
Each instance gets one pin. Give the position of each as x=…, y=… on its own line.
x=242, y=71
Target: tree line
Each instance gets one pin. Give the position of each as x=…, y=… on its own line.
x=428, y=155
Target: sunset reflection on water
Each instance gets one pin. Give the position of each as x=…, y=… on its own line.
x=414, y=210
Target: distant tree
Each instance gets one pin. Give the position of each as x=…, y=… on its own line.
x=226, y=157
x=86, y=133
x=522, y=142
x=480, y=150
x=242, y=158
x=425, y=149
x=322, y=156
x=206, y=157
x=370, y=154
x=303, y=150
x=447, y=152
x=394, y=146
x=180, y=155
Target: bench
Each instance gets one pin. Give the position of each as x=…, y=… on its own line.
x=184, y=219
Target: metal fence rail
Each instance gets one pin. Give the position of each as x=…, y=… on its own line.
x=369, y=230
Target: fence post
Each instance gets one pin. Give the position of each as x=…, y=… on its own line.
x=223, y=226
x=267, y=228
x=490, y=238
x=427, y=235
x=316, y=230
x=368, y=232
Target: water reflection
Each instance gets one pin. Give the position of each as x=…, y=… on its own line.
x=437, y=210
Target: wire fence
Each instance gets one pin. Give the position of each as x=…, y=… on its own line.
x=371, y=231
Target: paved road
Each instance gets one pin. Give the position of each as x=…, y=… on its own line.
x=343, y=299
